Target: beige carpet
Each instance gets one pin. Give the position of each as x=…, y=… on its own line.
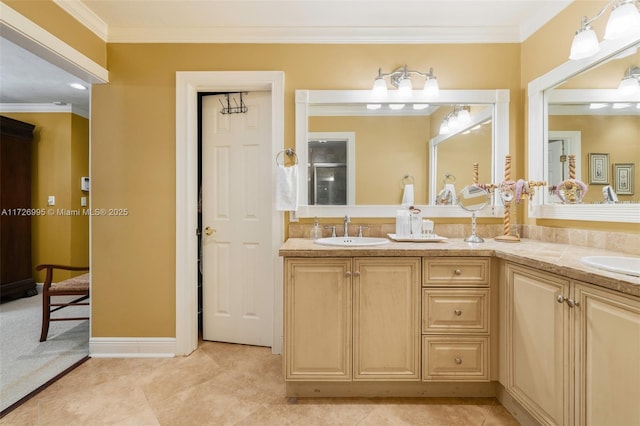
x=26, y=363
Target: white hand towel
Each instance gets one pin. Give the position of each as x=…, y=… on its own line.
x=287, y=188
x=407, y=195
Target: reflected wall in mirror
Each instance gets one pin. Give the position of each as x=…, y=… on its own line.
x=578, y=109
x=392, y=144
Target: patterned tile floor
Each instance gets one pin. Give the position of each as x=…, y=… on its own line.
x=225, y=384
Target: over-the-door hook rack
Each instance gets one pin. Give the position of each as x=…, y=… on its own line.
x=238, y=109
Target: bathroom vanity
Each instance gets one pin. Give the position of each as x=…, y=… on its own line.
x=556, y=341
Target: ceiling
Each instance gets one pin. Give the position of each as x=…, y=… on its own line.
x=29, y=79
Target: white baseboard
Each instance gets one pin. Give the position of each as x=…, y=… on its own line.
x=132, y=347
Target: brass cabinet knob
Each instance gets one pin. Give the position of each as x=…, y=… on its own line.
x=458, y=360
x=347, y=274
x=458, y=312
x=457, y=272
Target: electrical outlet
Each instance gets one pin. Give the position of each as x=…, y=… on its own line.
x=51, y=201
x=293, y=216
x=83, y=201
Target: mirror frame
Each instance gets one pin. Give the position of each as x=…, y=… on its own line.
x=499, y=99
x=538, y=150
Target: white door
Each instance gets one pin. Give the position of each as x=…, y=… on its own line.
x=236, y=219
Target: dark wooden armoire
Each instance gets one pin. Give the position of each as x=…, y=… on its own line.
x=16, y=274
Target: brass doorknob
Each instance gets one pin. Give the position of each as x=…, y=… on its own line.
x=209, y=230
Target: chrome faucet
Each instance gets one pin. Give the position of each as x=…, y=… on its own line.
x=346, y=226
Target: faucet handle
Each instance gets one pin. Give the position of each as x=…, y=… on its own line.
x=333, y=229
x=360, y=229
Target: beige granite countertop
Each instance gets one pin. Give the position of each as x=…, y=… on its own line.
x=561, y=259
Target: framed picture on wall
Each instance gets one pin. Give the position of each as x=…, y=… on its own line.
x=598, y=169
x=623, y=178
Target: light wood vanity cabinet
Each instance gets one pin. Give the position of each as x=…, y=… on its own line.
x=352, y=319
x=456, y=319
x=572, y=349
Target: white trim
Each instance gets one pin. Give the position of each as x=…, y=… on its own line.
x=132, y=347
x=315, y=35
x=188, y=84
x=538, y=130
x=78, y=10
x=47, y=107
x=389, y=211
x=28, y=35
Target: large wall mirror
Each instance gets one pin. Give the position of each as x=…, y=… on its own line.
x=357, y=155
x=578, y=109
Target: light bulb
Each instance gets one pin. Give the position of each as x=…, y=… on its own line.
x=444, y=127
x=396, y=106
x=624, y=18
x=464, y=117
x=453, y=122
x=431, y=88
x=419, y=107
x=374, y=106
x=585, y=44
x=598, y=105
x=379, y=87
x=404, y=88
x=629, y=86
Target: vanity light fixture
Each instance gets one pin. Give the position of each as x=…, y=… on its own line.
x=623, y=19
x=400, y=78
x=620, y=105
x=78, y=86
x=420, y=107
x=374, y=106
x=598, y=105
x=396, y=107
x=456, y=119
x=630, y=83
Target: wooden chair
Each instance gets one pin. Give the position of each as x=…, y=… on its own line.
x=75, y=286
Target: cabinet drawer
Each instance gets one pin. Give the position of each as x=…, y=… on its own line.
x=456, y=271
x=455, y=311
x=455, y=358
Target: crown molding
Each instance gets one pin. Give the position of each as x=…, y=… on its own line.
x=78, y=10
x=43, y=107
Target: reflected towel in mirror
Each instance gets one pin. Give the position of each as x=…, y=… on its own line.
x=407, y=195
x=287, y=188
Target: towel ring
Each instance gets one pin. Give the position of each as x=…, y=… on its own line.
x=407, y=179
x=288, y=152
x=449, y=178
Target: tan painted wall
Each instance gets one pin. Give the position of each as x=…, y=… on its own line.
x=133, y=148
x=52, y=18
x=60, y=156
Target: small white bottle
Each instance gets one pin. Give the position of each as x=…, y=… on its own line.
x=316, y=230
x=427, y=228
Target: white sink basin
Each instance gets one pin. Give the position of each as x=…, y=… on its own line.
x=619, y=264
x=351, y=241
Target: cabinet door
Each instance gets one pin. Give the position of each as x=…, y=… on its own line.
x=607, y=357
x=317, y=319
x=538, y=370
x=386, y=319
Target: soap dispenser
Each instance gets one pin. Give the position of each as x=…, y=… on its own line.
x=316, y=231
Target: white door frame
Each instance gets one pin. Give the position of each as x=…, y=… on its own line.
x=188, y=84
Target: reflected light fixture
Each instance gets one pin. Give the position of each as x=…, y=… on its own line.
x=630, y=83
x=400, y=78
x=624, y=19
x=456, y=119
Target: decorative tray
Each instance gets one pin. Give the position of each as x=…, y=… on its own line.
x=417, y=239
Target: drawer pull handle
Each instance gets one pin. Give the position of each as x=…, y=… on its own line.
x=457, y=272
x=458, y=312
x=458, y=360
